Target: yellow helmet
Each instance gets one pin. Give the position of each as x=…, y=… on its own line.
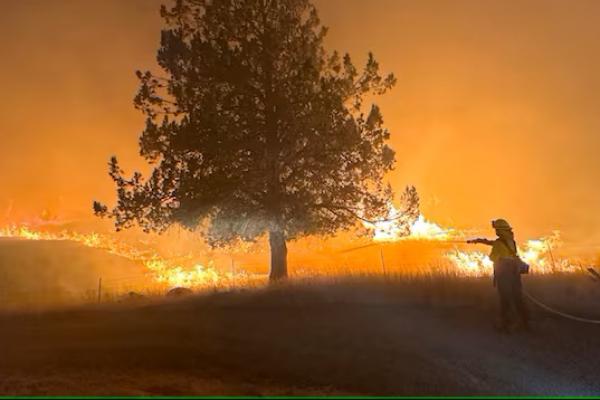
x=501, y=224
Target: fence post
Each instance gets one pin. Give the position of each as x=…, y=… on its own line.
x=99, y=290
x=382, y=261
x=552, y=259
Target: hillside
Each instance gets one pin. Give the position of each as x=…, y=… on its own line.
x=44, y=273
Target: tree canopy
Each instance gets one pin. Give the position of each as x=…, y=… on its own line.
x=253, y=128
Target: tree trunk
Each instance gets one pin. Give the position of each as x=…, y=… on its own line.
x=278, y=256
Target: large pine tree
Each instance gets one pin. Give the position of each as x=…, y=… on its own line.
x=253, y=128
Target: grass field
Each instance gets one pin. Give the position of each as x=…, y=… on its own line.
x=359, y=335
x=42, y=274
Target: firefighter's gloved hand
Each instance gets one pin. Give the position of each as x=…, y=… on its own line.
x=479, y=241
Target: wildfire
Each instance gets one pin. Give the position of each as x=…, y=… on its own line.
x=470, y=263
x=425, y=230
x=185, y=271
x=394, y=228
x=162, y=270
x=176, y=276
x=536, y=252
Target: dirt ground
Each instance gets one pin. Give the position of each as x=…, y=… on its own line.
x=300, y=340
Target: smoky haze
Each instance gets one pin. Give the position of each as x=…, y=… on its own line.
x=495, y=111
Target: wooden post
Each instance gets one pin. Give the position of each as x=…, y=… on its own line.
x=382, y=260
x=99, y=290
x=552, y=259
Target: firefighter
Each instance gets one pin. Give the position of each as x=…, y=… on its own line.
x=507, y=276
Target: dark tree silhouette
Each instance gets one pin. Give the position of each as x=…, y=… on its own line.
x=255, y=129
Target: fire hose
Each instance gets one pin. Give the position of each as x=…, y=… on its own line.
x=527, y=294
x=560, y=313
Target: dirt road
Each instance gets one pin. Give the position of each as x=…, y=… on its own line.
x=293, y=342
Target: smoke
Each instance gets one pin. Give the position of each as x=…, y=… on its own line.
x=494, y=112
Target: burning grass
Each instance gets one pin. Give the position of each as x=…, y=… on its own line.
x=180, y=260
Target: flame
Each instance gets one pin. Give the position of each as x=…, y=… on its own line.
x=470, y=263
x=536, y=252
x=162, y=270
x=176, y=276
x=393, y=228
x=174, y=271
x=422, y=229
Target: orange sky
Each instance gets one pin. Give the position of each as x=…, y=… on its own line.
x=495, y=112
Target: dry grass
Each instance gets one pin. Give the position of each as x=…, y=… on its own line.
x=355, y=335
x=572, y=292
x=346, y=329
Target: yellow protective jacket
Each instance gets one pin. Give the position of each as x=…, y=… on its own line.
x=502, y=248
